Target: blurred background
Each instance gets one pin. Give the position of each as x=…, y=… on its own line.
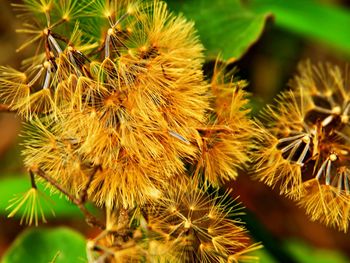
x=265, y=40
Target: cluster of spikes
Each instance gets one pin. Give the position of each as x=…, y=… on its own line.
x=120, y=114
x=304, y=145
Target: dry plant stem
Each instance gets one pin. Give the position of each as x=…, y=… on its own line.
x=90, y=218
x=32, y=179
x=83, y=194
x=123, y=221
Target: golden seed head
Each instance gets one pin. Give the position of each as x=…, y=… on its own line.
x=294, y=146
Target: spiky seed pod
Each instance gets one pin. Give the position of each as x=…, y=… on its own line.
x=136, y=107
x=327, y=86
x=111, y=187
x=327, y=196
x=56, y=57
x=304, y=146
x=284, y=144
x=56, y=152
x=226, y=139
x=196, y=226
x=163, y=91
x=40, y=17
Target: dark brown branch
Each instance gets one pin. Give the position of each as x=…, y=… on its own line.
x=32, y=180
x=59, y=37
x=60, y=22
x=90, y=218
x=83, y=193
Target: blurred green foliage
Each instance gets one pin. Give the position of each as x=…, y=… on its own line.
x=59, y=245
x=230, y=27
x=11, y=185
x=225, y=27
x=303, y=253
x=309, y=18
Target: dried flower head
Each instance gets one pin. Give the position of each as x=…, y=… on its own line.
x=132, y=110
x=304, y=144
x=197, y=227
x=225, y=140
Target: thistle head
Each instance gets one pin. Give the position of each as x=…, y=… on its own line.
x=197, y=226
x=304, y=147
x=225, y=139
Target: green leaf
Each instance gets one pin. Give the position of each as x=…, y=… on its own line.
x=301, y=252
x=309, y=18
x=60, y=245
x=304, y=253
x=9, y=186
x=225, y=26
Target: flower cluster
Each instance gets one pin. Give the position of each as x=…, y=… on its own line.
x=120, y=114
x=197, y=226
x=304, y=145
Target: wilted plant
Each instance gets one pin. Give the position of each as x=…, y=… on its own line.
x=119, y=114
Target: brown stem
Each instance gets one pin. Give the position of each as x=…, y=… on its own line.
x=123, y=221
x=58, y=23
x=59, y=37
x=90, y=218
x=83, y=193
x=32, y=179
x=99, y=49
x=47, y=48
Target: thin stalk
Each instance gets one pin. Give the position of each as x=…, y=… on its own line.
x=83, y=193
x=90, y=218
